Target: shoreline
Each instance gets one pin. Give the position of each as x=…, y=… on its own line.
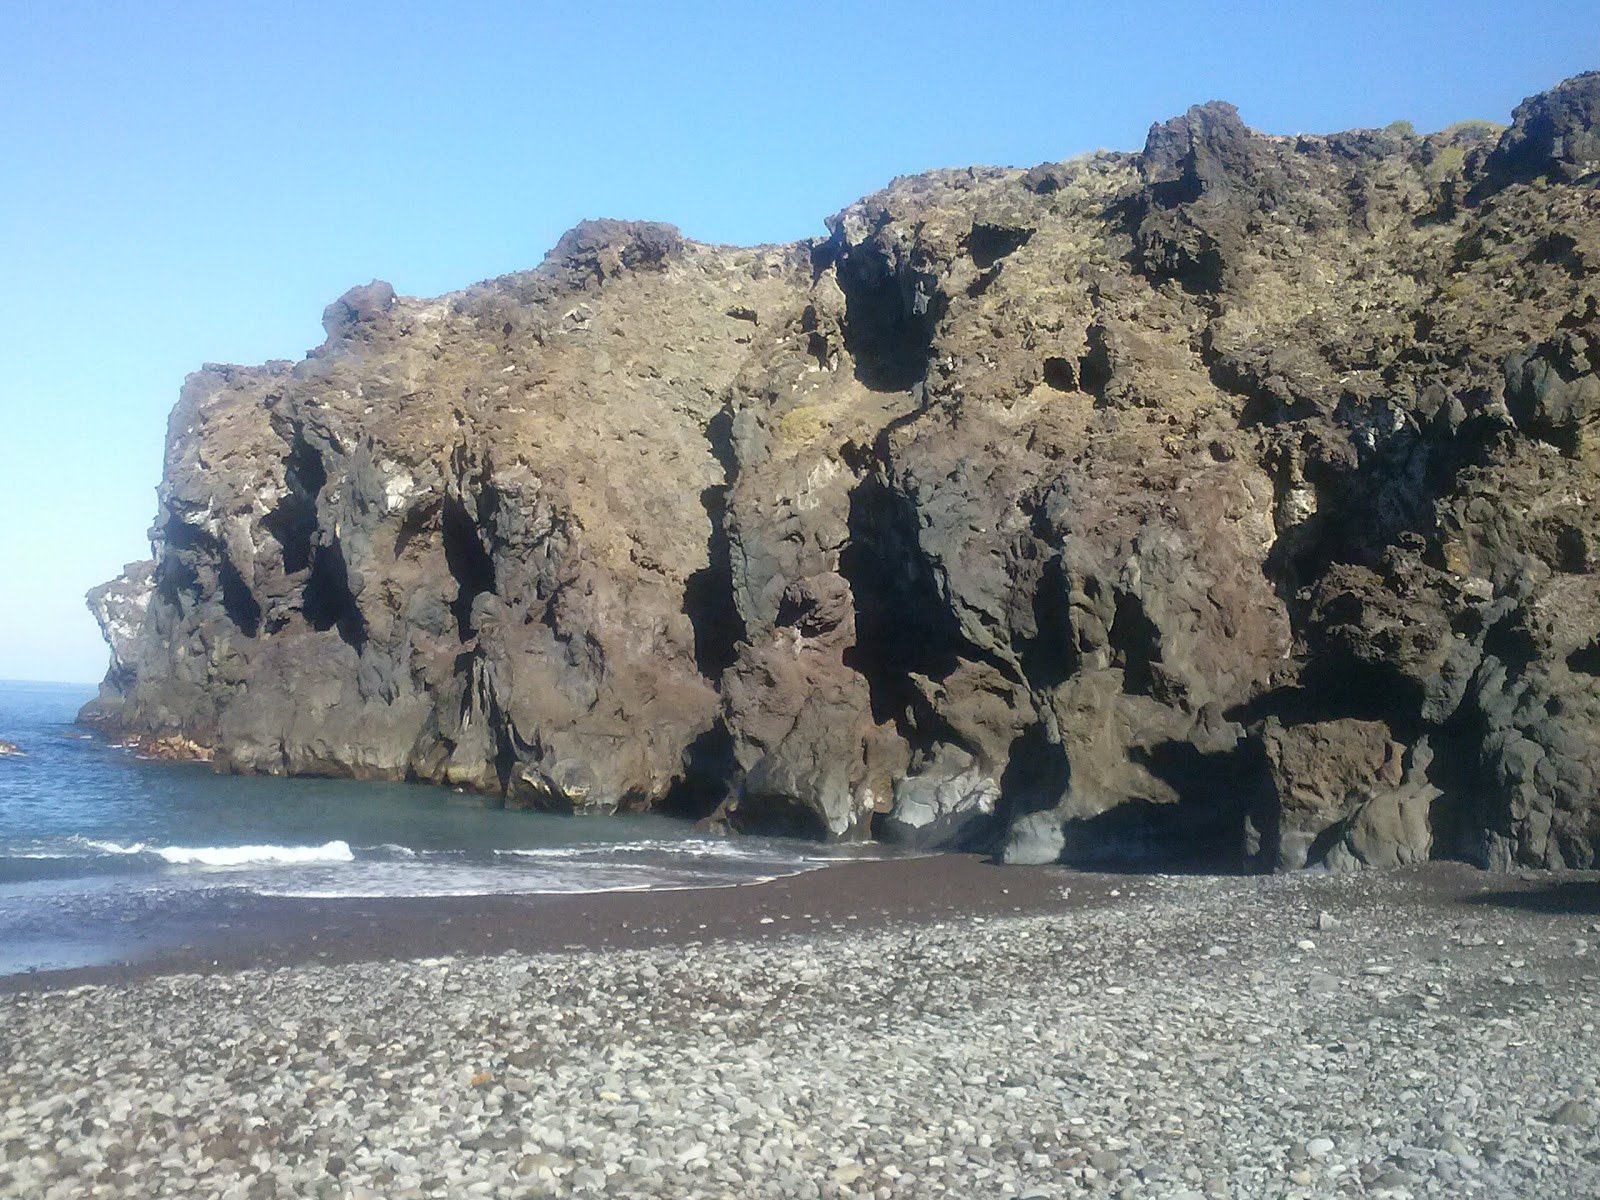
x=850, y=897
x=837, y=897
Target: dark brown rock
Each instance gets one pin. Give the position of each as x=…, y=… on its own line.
x=1232, y=502
x=1556, y=132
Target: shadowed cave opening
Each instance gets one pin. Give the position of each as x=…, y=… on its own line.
x=1339, y=689
x=1586, y=659
x=293, y=522
x=890, y=318
x=766, y=814
x=1094, y=368
x=902, y=624
x=1060, y=375
x=1468, y=790
x=1051, y=656
x=414, y=523
x=469, y=563
x=242, y=608
x=708, y=595
x=1175, y=193
x=1036, y=776
x=1135, y=645
x=1204, y=830
x=1573, y=556
x=190, y=549
x=989, y=243
x=328, y=602
x=709, y=769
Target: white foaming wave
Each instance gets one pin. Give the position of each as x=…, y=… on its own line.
x=756, y=852
x=687, y=848
x=392, y=849
x=235, y=856
x=110, y=847
x=232, y=856
x=423, y=884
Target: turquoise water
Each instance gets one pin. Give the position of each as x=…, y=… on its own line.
x=99, y=849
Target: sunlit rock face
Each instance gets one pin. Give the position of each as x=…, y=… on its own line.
x=1231, y=502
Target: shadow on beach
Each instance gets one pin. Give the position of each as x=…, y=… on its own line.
x=1571, y=897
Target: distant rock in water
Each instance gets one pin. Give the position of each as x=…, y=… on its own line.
x=1231, y=503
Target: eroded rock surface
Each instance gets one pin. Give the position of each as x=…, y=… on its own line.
x=1229, y=502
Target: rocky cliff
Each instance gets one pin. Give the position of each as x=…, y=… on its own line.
x=1231, y=502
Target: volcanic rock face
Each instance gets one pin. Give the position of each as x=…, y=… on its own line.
x=1228, y=502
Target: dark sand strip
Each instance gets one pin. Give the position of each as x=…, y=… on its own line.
x=274, y=932
x=859, y=896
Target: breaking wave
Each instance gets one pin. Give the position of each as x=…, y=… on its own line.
x=233, y=856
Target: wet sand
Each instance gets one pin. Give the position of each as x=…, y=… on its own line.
x=273, y=933
x=269, y=932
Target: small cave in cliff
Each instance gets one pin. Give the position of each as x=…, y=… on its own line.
x=1060, y=375
x=890, y=320
x=1185, y=188
x=415, y=522
x=1573, y=555
x=903, y=626
x=1217, y=799
x=708, y=595
x=1586, y=659
x=1135, y=645
x=293, y=522
x=1051, y=656
x=709, y=769
x=1094, y=368
x=176, y=580
x=1171, y=244
x=779, y=816
x=1219, y=792
x=1462, y=812
x=469, y=563
x=1333, y=688
x=988, y=244
x=328, y=602
x=1036, y=775
x=1513, y=644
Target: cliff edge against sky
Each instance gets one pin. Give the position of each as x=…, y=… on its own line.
x=1231, y=502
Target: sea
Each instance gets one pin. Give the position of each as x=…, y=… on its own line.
x=106, y=857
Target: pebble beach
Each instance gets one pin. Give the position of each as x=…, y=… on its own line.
x=1425, y=1032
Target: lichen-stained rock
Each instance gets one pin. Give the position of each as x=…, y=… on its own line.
x=949, y=801
x=1554, y=133
x=1536, y=709
x=455, y=542
x=1553, y=390
x=119, y=607
x=1345, y=793
x=1232, y=501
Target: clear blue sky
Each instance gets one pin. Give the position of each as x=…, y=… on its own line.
x=182, y=183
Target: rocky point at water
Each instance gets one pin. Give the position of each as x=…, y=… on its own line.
x=1231, y=501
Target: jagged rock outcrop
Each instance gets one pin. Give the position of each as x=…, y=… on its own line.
x=1232, y=501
